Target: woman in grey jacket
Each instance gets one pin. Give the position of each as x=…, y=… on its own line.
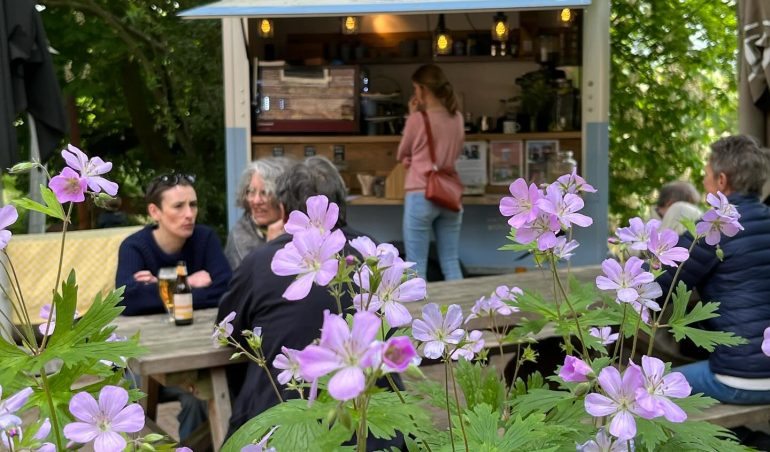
x=256, y=195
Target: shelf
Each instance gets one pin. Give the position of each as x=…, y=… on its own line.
x=445, y=59
x=483, y=200
x=340, y=139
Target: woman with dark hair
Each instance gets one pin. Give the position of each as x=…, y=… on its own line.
x=173, y=205
x=256, y=195
x=434, y=104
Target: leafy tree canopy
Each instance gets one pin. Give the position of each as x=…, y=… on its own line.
x=673, y=92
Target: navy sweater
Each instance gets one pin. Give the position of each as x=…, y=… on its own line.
x=741, y=285
x=139, y=251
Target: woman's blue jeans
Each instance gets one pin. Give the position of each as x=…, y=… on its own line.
x=420, y=218
x=702, y=380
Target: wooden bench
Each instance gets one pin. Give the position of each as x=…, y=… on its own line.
x=730, y=416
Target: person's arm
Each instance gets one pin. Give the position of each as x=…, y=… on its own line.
x=139, y=297
x=408, y=139
x=215, y=263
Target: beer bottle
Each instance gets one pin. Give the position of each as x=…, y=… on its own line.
x=183, y=305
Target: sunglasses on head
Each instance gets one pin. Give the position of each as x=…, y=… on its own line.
x=172, y=179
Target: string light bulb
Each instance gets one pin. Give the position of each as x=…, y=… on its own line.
x=442, y=42
x=565, y=15
x=500, y=27
x=350, y=25
x=266, y=28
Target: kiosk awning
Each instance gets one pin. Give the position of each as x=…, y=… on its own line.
x=316, y=8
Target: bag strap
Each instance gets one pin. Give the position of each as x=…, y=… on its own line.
x=430, y=140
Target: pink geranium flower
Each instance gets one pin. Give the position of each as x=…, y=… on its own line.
x=342, y=351
x=223, y=330
x=722, y=219
x=766, y=342
x=68, y=186
x=321, y=215
x=653, y=397
x=385, y=253
x=574, y=369
x=289, y=364
x=436, y=331
x=663, y=246
x=637, y=234
x=398, y=353
x=564, y=206
x=521, y=206
x=619, y=403
x=261, y=446
x=624, y=280
x=604, y=334
x=573, y=183
x=391, y=292
x=103, y=421
x=489, y=306
x=310, y=255
x=8, y=216
x=564, y=249
x=543, y=229
x=473, y=344
x=605, y=443
x=90, y=170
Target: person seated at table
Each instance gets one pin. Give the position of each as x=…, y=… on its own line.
x=256, y=195
x=737, y=167
x=677, y=201
x=256, y=294
x=173, y=205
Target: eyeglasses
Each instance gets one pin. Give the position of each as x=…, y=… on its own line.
x=172, y=179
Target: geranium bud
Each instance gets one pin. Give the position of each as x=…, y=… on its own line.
x=331, y=416
x=350, y=259
x=22, y=167
x=582, y=388
x=344, y=417
x=720, y=253
x=153, y=437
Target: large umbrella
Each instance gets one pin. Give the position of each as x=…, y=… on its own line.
x=754, y=71
x=27, y=81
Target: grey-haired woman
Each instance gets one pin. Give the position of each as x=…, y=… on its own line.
x=256, y=195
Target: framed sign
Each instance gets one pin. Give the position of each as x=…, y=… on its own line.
x=505, y=161
x=539, y=153
x=471, y=166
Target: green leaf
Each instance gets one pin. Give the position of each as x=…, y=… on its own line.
x=705, y=339
x=51, y=202
x=539, y=401
x=387, y=415
x=480, y=385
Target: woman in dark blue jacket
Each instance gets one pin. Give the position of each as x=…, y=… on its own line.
x=740, y=281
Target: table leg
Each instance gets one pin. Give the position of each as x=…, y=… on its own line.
x=219, y=406
x=151, y=387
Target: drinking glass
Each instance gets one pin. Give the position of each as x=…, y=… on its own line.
x=166, y=282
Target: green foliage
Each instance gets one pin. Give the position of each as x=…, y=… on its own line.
x=52, y=208
x=680, y=321
x=147, y=87
x=480, y=385
x=672, y=93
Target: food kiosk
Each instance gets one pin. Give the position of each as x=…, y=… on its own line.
x=331, y=77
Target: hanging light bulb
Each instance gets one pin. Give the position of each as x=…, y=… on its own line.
x=565, y=15
x=266, y=28
x=350, y=25
x=442, y=42
x=500, y=27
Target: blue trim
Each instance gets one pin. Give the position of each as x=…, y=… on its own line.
x=312, y=8
x=237, y=154
x=593, y=240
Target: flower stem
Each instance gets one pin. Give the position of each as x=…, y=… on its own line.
x=362, y=429
x=52, y=407
x=58, y=272
x=446, y=393
x=655, y=319
x=401, y=398
x=459, y=412
x=572, y=310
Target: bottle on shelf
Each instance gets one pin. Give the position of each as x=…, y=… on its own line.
x=561, y=163
x=183, y=303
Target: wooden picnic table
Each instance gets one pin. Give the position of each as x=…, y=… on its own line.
x=186, y=356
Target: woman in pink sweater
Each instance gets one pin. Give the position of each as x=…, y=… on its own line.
x=433, y=94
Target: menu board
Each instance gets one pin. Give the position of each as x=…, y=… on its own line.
x=505, y=161
x=471, y=166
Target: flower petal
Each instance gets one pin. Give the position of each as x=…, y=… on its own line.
x=109, y=442
x=84, y=407
x=346, y=384
x=112, y=399
x=80, y=432
x=130, y=419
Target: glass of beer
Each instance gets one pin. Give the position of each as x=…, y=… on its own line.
x=166, y=281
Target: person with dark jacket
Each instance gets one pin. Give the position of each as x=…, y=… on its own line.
x=256, y=296
x=172, y=203
x=737, y=167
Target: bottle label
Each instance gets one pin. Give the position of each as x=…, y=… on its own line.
x=183, y=307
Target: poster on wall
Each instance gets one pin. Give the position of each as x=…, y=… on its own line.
x=471, y=166
x=539, y=152
x=505, y=162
